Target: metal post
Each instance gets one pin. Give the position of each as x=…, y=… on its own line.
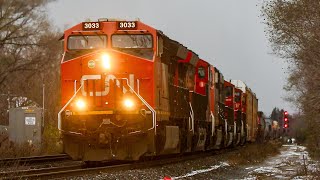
x=43, y=89
x=8, y=100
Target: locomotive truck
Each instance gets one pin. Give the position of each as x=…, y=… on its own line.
x=129, y=91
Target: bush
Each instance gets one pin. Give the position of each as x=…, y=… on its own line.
x=51, y=140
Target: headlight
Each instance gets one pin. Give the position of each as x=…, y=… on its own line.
x=106, y=61
x=128, y=103
x=81, y=104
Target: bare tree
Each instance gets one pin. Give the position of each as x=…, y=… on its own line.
x=30, y=56
x=23, y=31
x=293, y=30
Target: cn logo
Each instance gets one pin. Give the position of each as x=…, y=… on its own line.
x=106, y=89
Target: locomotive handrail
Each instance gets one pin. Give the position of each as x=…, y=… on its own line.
x=226, y=127
x=138, y=86
x=75, y=86
x=64, y=107
x=154, y=116
x=242, y=128
x=192, y=118
x=213, y=123
x=234, y=128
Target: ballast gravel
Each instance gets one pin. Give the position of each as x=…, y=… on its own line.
x=213, y=167
x=286, y=165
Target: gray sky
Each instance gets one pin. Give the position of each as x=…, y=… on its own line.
x=227, y=33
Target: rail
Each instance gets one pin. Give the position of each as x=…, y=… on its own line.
x=34, y=159
x=138, y=86
x=234, y=128
x=75, y=86
x=65, y=106
x=78, y=170
x=154, y=115
x=242, y=128
x=226, y=127
x=213, y=123
x=192, y=118
x=39, y=173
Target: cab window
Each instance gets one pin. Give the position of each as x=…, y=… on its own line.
x=237, y=97
x=201, y=72
x=83, y=42
x=128, y=41
x=228, y=91
x=140, y=45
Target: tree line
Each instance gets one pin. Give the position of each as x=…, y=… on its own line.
x=29, y=56
x=293, y=30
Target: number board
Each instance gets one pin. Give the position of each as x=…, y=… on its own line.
x=91, y=26
x=126, y=25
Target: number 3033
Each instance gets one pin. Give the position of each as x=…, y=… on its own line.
x=127, y=25
x=92, y=25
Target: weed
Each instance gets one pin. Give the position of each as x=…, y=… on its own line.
x=50, y=140
x=254, y=153
x=308, y=169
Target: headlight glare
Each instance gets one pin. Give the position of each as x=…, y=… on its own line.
x=106, y=61
x=81, y=104
x=128, y=103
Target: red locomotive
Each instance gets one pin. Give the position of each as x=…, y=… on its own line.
x=130, y=91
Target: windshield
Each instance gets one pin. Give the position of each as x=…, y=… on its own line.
x=132, y=41
x=135, y=44
x=237, y=97
x=201, y=72
x=228, y=91
x=79, y=42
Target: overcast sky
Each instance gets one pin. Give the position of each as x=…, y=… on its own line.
x=227, y=33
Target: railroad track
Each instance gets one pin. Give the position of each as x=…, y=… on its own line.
x=18, y=174
x=78, y=170
x=34, y=159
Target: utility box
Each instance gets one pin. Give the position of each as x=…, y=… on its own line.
x=25, y=125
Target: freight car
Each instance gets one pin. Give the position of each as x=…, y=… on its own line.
x=129, y=91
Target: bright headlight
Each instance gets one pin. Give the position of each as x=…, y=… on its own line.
x=81, y=104
x=106, y=61
x=128, y=103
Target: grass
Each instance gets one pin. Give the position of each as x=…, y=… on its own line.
x=309, y=169
x=254, y=153
x=10, y=150
x=49, y=145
